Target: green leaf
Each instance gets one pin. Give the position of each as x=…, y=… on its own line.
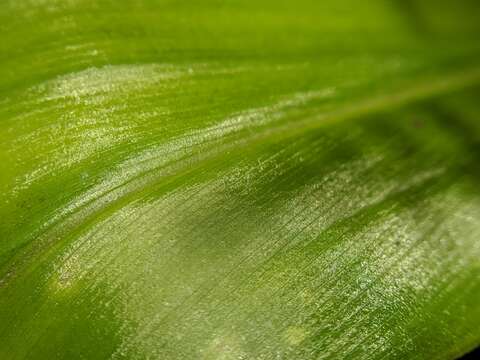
x=239, y=179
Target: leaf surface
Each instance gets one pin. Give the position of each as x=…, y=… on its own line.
x=239, y=180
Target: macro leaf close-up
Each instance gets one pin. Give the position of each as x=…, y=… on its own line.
x=236, y=180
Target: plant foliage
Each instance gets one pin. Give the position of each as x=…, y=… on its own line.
x=239, y=179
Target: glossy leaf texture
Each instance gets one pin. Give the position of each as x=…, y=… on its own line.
x=239, y=179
